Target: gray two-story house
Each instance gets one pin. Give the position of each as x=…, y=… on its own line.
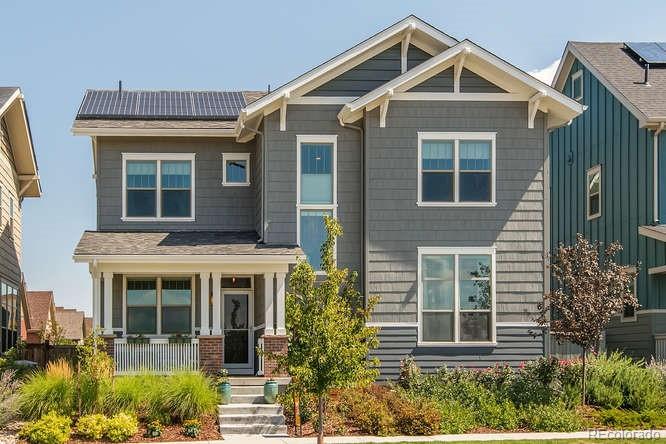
x=432, y=153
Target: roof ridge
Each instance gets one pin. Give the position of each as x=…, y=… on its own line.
x=173, y=90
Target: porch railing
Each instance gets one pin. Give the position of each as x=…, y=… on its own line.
x=260, y=357
x=158, y=356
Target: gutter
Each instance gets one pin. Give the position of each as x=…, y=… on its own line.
x=655, y=172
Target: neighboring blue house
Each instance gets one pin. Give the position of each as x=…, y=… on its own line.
x=608, y=171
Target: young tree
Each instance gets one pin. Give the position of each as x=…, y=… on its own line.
x=329, y=340
x=591, y=289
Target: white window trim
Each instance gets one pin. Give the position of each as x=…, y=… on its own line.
x=574, y=77
x=591, y=172
x=235, y=156
x=457, y=137
x=633, y=318
x=326, y=138
x=455, y=251
x=158, y=157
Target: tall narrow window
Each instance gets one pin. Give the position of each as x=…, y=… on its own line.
x=594, y=192
x=577, y=85
x=141, y=188
x=142, y=306
x=456, y=169
x=158, y=186
x=176, y=306
x=456, y=295
x=316, y=192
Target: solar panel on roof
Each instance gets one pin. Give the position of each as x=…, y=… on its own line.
x=650, y=52
x=182, y=105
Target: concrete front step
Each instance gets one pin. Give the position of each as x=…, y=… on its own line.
x=255, y=380
x=250, y=409
x=247, y=399
x=257, y=419
x=247, y=390
x=253, y=429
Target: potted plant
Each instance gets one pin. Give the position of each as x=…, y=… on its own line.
x=223, y=386
x=179, y=339
x=270, y=390
x=139, y=339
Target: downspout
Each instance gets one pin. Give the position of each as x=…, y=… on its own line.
x=655, y=172
x=263, y=178
x=364, y=253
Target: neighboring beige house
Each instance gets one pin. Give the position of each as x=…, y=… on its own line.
x=18, y=179
x=72, y=322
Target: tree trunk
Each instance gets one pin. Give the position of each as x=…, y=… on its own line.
x=584, y=382
x=321, y=410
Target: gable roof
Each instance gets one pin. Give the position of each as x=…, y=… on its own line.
x=497, y=70
x=621, y=74
x=38, y=305
x=71, y=321
x=422, y=34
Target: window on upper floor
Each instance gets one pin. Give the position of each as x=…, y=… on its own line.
x=593, y=190
x=456, y=169
x=158, y=186
x=577, y=85
x=236, y=169
x=456, y=295
x=317, y=188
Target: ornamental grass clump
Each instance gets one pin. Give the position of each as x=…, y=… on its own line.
x=188, y=395
x=52, y=390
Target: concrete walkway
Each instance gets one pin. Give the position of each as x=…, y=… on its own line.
x=592, y=434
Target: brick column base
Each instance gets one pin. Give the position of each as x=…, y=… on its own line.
x=276, y=345
x=211, y=353
x=110, y=345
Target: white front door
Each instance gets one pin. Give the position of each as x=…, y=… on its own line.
x=238, y=332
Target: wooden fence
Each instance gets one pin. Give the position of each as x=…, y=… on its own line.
x=44, y=353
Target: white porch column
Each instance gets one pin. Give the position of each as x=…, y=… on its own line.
x=279, y=311
x=96, y=299
x=205, y=302
x=217, y=299
x=268, y=304
x=108, y=303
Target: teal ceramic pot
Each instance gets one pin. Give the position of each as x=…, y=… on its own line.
x=270, y=391
x=225, y=392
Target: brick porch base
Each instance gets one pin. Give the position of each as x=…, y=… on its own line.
x=276, y=345
x=109, y=342
x=211, y=353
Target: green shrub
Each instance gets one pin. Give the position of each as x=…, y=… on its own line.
x=154, y=429
x=120, y=427
x=496, y=414
x=413, y=416
x=456, y=418
x=551, y=418
x=628, y=419
x=192, y=428
x=188, y=395
x=538, y=382
x=45, y=392
x=92, y=427
x=50, y=429
x=365, y=411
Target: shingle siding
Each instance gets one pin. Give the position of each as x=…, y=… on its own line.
x=11, y=233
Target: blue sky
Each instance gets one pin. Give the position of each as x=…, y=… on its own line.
x=54, y=50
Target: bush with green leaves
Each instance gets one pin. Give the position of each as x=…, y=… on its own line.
x=628, y=419
x=188, y=395
x=551, y=418
x=120, y=427
x=192, y=428
x=51, y=428
x=456, y=417
x=92, y=426
x=367, y=412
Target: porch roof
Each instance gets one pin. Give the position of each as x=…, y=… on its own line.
x=190, y=244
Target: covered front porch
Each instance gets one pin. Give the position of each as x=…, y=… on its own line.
x=164, y=312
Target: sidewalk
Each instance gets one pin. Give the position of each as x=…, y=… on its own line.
x=257, y=439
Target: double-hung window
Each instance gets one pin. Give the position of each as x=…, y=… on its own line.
x=456, y=169
x=456, y=295
x=593, y=188
x=158, y=186
x=141, y=299
x=316, y=194
x=157, y=306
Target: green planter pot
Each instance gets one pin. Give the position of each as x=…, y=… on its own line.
x=225, y=392
x=270, y=391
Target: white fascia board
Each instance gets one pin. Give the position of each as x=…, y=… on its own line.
x=173, y=132
x=346, y=57
x=189, y=258
x=15, y=95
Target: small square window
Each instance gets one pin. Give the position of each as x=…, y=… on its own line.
x=577, y=85
x=236, y=169
x=593, y=190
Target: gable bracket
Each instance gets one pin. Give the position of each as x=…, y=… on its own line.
x=404, y=48
x=533, y=107
x=457, y=70
x=283, y=112
x=383, y=108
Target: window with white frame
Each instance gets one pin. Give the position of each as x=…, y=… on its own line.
x=456, y=295
x=236, y=169
x=628, y=311
x=456, y=169
x=593, y=189
x=158, y=186
x=577, y=85
x=158, y=305
x=316, y=194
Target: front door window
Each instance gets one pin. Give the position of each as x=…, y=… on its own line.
x=236, y=329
